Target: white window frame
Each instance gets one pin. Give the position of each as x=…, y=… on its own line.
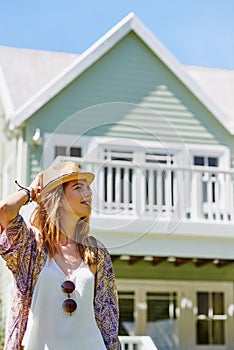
x=95, y=143
x=220, y=152
x=66, y=140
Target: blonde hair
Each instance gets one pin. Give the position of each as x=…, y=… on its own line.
x=46, y=219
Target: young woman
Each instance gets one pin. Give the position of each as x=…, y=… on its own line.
x=65, y=294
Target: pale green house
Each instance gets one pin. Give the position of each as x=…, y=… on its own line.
x=159, y=136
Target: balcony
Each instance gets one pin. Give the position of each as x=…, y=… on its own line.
x=160, y=192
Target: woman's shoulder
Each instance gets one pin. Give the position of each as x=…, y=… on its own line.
x=20, y=222
x=97, y=242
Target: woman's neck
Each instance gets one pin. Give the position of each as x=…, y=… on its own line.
x=68, y=227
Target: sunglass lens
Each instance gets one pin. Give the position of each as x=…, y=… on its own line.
x=68, y=287
x=69, y=305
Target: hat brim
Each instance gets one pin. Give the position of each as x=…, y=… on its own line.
x=89, y=177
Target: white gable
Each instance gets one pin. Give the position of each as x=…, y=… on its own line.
x=102, y=46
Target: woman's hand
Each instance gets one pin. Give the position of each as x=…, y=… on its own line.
x=36, y=188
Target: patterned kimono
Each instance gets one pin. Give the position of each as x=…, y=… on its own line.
x=19, y=248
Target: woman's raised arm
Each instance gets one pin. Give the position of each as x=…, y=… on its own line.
x=10, y=205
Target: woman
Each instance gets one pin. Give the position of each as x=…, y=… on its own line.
x=65, y=294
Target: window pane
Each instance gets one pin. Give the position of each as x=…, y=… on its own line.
x=202, y=332
x=199, y=161
x=76, y=152
x=218, y=332
x=217, y=301
x=162, y=324
x=212, y=161
x=126, y=308
x=202, y=303
x=210, y=330
x=60, y=151
x=159, y=306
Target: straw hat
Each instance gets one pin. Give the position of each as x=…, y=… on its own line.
x=57, y=174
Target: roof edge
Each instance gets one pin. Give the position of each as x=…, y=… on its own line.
x=71, y=72
x=98, y=49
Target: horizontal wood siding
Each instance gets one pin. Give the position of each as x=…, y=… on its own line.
x=130, y=93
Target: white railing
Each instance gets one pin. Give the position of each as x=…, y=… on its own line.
x=137, y=343
x=160, y=190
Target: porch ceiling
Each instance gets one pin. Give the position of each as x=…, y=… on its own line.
x=176, y=261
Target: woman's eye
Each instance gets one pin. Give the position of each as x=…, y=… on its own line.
x=78, y=187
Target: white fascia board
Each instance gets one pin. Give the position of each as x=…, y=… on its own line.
x=169, y=246
x=83, y=62
x=176, y=67
x=97, y=50
x=140, y=226
x=163, y=244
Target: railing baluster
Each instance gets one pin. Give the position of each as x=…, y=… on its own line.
x=134, y=196
x=117, y=190
x=168, y=197
x=151, y=192
x=217, y=198
x=99, y=193
x=109, y=190
x=226, y=196
x=126, y=197
x=159, y=191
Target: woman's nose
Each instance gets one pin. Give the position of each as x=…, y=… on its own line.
x=87, y=193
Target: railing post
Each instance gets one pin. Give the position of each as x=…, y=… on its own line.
x=196, y=196
x=161, y=190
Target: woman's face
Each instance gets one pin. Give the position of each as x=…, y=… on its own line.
x=77, y=198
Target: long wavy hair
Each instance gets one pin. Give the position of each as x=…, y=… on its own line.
x=46, y=219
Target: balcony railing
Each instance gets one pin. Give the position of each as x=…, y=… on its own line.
x=137, y=343
x=161, y=191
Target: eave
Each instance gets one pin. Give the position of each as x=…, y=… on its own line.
x=96, y=51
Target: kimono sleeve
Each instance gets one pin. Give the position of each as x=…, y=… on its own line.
x=16, y=247
x=106, y=301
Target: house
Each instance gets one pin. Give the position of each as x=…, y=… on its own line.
x=159, y=136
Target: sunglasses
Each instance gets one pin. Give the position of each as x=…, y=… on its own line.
x=69, y=305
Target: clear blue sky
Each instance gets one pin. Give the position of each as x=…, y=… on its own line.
x=197, y=32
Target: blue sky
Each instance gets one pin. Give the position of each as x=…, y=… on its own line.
x=197, y=32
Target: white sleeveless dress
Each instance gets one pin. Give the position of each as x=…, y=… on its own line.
x=49, y=327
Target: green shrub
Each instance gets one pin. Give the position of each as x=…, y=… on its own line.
x=2, y=329
x=1, y=337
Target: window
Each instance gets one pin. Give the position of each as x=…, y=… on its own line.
x=65, y=145
x=68, y=151
x=178, y=314
x=162, y=325
x=160, y=312
x=210, y=324
x=206, y=161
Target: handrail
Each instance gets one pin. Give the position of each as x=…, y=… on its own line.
x=160, y=190
x=128, y=164
x=137, y=343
